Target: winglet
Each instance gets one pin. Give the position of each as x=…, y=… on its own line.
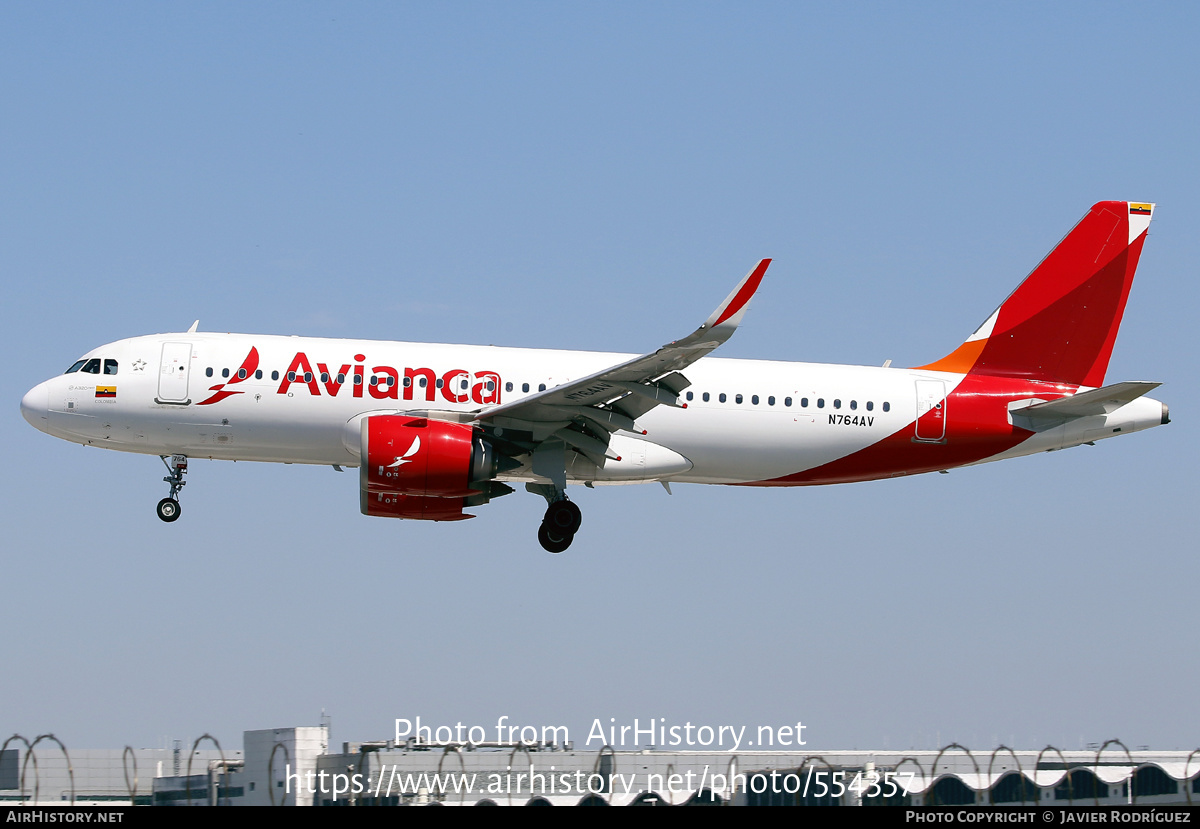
x=639, y=384
x=195, y=325
x=734, y=306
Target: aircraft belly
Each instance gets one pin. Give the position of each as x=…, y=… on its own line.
x=247, y=429
x=71, y=426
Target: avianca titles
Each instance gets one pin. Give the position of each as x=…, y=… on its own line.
x=435, y=430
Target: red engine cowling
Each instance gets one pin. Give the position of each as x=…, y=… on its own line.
x=414, y=467
x=418, y=507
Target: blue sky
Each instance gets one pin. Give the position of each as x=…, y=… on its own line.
x=595, y=176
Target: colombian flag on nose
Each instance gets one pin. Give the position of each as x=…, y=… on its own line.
x=106, y=391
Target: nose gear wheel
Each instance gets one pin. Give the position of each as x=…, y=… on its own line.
x=168, y=509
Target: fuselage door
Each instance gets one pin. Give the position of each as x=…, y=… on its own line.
x=173, y=373
x=931, y=410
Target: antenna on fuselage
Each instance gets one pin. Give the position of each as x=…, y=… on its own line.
x=192, y=330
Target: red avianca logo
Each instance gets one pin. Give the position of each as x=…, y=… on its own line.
x=384, y=383
x=248, y=367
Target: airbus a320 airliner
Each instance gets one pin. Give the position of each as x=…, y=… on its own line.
x=435, y=430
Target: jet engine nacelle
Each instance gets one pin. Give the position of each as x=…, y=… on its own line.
x=415, y=467
x=416, y=507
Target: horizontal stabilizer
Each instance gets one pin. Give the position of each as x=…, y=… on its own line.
x=1039, y=415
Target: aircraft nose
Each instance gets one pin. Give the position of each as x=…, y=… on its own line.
x=35, y=406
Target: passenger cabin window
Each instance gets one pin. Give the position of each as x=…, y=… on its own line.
x=737, y=398
x=754, y=399
x=689, y=395
x=705, y=397
x=110, y=366
x=258, y=374
x=224, y=372
x=241, y=374
x=508, y=386
x=887, y=407
x=208, y=372
x=870, y=406
x=771, y=400
x=524, y=387
x=274, y=375
x=721, y=397
x=541, y=386
x=75, y=367
x=91, y=366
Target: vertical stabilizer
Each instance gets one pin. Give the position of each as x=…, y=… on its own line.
x=1060, y=324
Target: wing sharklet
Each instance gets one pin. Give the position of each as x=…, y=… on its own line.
x=734, y=306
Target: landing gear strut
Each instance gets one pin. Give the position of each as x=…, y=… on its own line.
x=168, y=508
x=560, y=523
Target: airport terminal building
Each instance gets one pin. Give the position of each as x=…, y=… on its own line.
x=295, y=767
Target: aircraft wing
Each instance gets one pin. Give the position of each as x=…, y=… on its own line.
x=615, y=397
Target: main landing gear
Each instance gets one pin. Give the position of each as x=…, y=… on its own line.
x=559, y=525
x=168, y=508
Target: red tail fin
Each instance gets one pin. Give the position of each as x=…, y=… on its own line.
x=1060, y=324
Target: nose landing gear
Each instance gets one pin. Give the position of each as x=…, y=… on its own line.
x=168, y=508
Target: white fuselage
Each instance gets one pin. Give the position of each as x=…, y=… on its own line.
x=746, y=421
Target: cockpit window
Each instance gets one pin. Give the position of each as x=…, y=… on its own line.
x=75, y=367
x=92, y=366
x=110, y=366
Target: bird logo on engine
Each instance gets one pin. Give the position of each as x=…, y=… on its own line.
x=407, y=456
